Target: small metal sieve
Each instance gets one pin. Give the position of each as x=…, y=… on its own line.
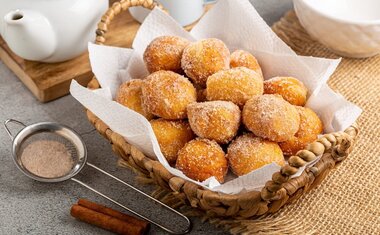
x=75, y=145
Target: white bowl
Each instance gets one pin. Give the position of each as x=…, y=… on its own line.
x=348, y=27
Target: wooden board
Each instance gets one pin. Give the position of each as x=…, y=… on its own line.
x=47, y=81
x=51, y=81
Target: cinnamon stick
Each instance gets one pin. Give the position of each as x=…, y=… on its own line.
x=114, y=213
x=106, y=222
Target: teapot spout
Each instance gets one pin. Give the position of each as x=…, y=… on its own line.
x=14, y=17
x=29, y=34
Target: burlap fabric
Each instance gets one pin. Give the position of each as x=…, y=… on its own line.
x=348, y=201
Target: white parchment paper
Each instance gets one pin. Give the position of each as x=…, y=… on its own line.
x=239, y=25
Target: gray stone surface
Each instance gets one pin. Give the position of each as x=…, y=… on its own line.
x=29, y=207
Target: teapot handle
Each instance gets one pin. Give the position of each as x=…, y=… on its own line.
x=116, y=9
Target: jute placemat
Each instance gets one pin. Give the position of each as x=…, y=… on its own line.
x=348, y=201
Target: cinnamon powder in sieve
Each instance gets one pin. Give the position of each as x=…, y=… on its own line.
x=47, y=158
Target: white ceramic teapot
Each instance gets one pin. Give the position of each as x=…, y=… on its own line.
x=49, y=30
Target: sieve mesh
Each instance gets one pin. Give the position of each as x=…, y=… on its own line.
x=47, y=137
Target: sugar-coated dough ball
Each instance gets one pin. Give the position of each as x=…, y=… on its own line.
x=271, y=117
x=165, y=53
x=129, y=94
x=311, y=126
x=202, y=158
x=237, y=85
x=215, y=120
x=171, y=136
x=203, y=58
x=291, y=89
x=247, y=153
x=166, y=94
x=240, y=58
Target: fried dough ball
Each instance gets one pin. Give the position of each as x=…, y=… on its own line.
x=203, y=58
x=237, y=85
x=271, y=117
x=291, y=89
x=247, y=153
x=202, y=158
x=216, y=120
x=240, y=58
x=166, y=94
x=171, y=136
x=165, y=53
x=311, y=126
x=129, y=94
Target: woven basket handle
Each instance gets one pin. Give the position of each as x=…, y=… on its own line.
x=337, y=144
x=116, y=9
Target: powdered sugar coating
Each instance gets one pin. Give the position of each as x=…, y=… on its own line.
x=165, y=53
x=203, y=58
x=166, y=94
x=237, y=85
x=47, y=158
x=171, y=136
x=241, y=58
x=216, y=120
x=202, y=158
x=271, y=117
x=247, y=153
x=291, y=89
x=129, y=94
x=310, y=127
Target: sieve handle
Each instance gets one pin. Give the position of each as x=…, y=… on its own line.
x=132, y=211
x=7, y=128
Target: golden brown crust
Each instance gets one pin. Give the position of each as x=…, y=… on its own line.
x=165, y=53
x=310, y=127
x=247, y=153
x=241, y=58
x=202, y=158
x=166, y=94
x=171, y=136
x=203, y=58
x=271, y=117
x=216, y=120
x=129, y=94
x=291, y=89
x=237, y=85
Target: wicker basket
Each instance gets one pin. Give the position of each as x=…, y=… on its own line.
x=282, y=189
